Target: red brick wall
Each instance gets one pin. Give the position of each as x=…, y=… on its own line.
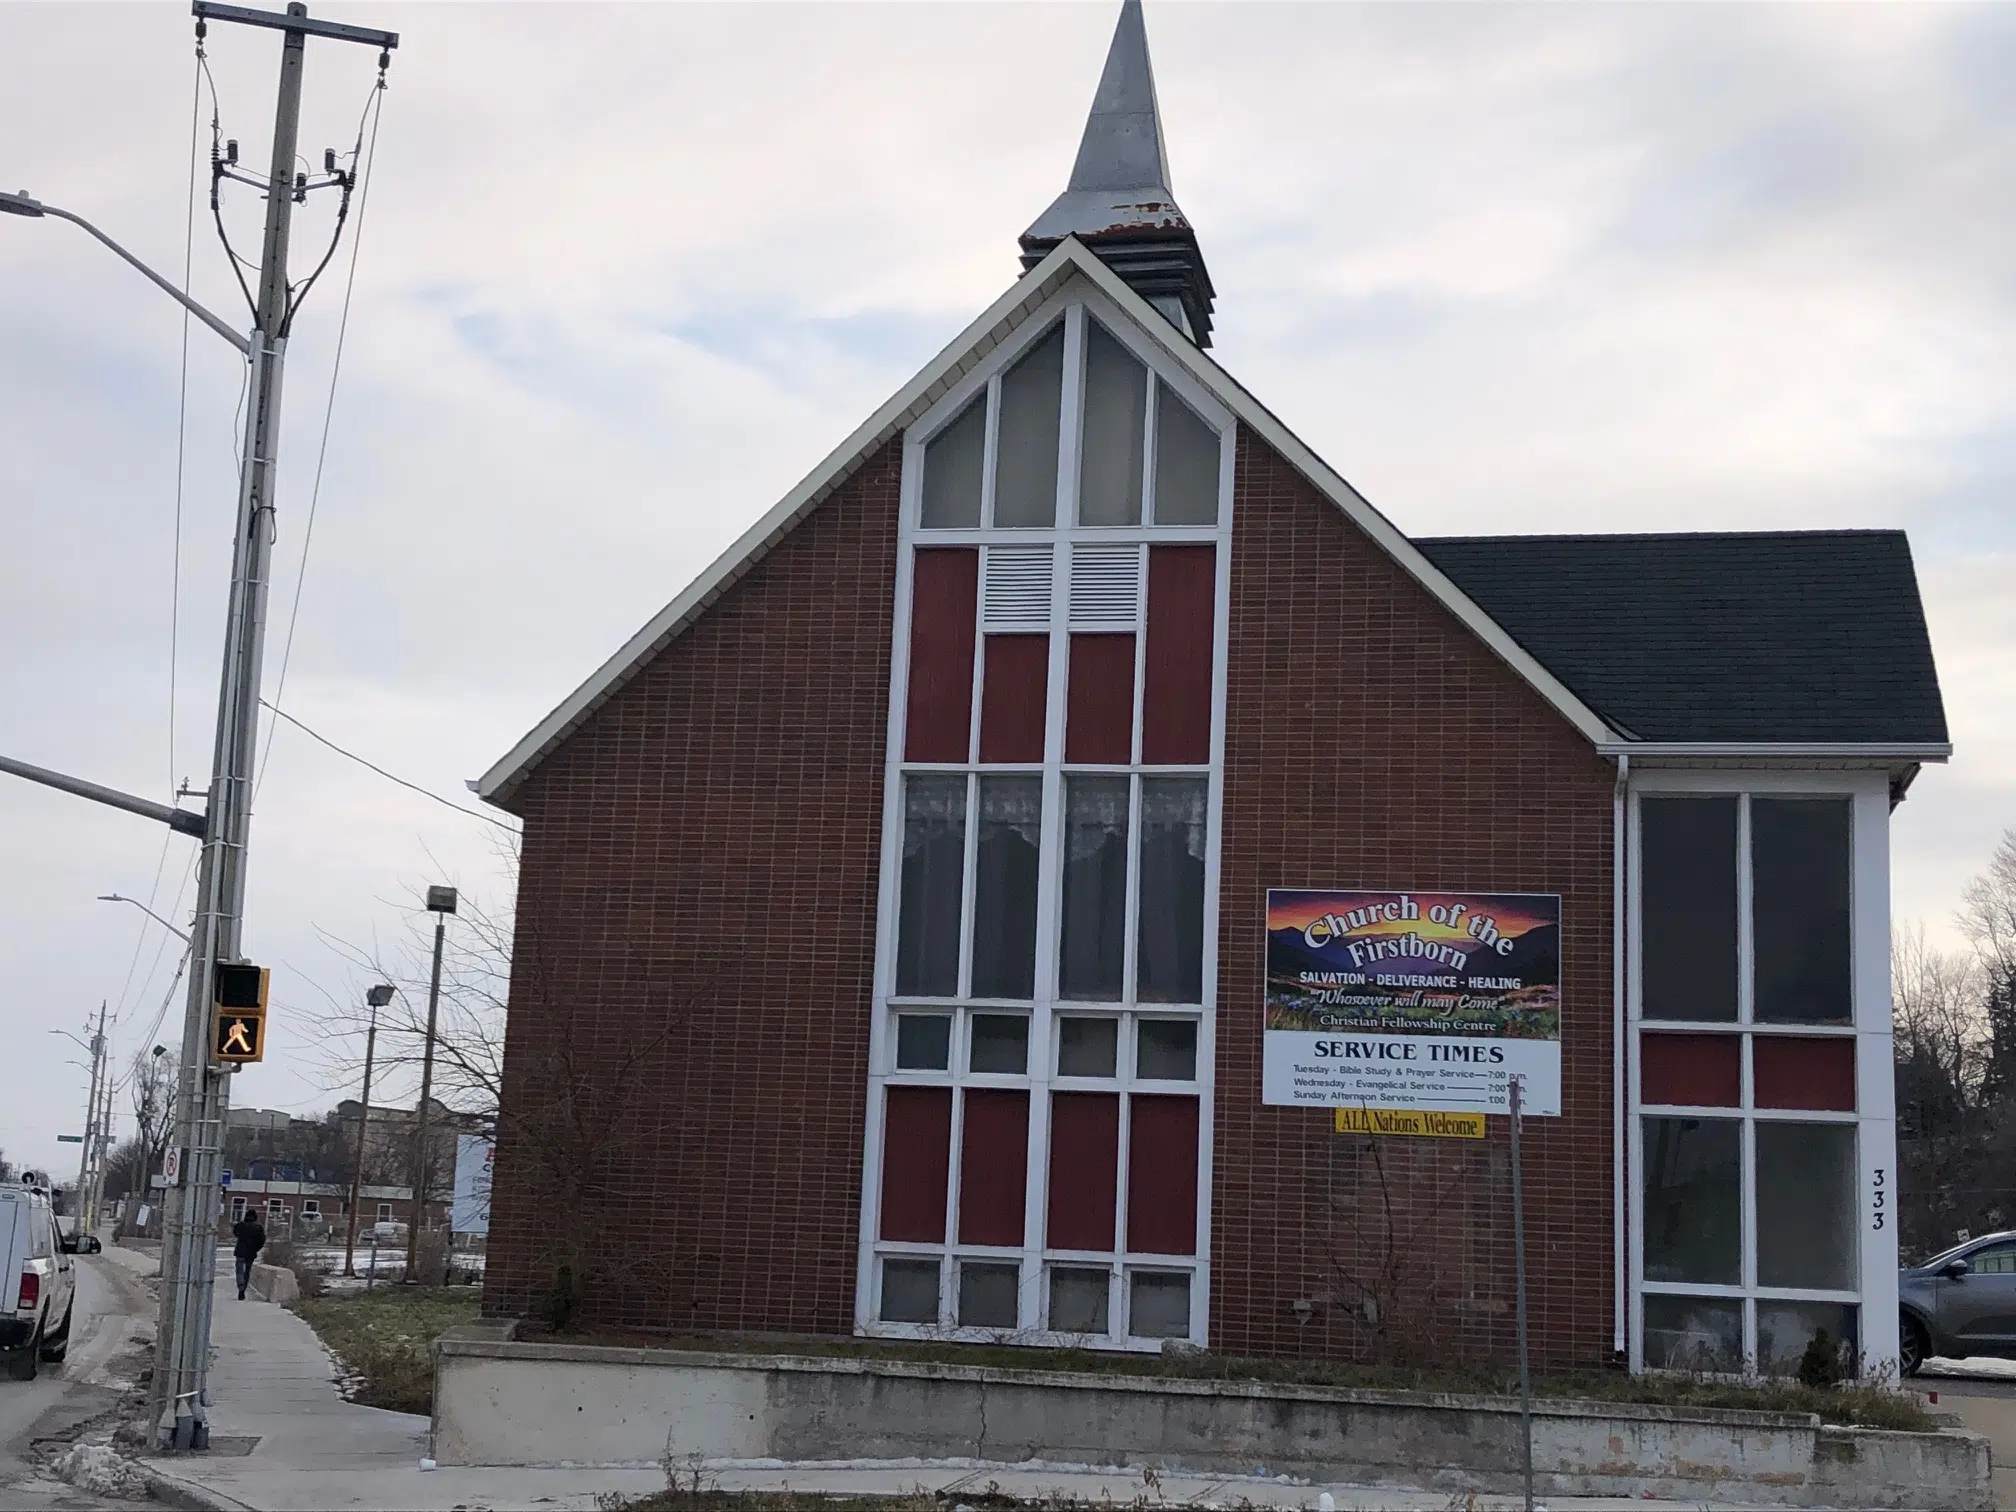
x=1372, y=741
x=696, y=921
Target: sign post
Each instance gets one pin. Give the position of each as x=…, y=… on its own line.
x=1519, y=1281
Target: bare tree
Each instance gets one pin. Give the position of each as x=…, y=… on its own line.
x=1946, y=1118
x=1987, y=913
x=152, y=1079
x=475, y=992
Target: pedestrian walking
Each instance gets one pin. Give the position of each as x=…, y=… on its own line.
x=251, y=1236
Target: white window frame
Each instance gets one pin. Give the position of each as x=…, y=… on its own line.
x=1073, y=304
x=1869, y=1025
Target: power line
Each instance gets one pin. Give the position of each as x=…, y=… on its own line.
x=388, y=776
x=182, y=409
x=377, y=100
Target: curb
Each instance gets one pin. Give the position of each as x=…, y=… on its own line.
x=174, y=1490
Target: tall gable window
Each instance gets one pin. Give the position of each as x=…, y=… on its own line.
x=1042, y=1067
x=1752, y=1203
x=1076, y=428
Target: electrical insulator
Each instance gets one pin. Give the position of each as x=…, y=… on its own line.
x=231, y=151
x=328, y=159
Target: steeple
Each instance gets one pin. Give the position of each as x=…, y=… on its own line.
x=1119, y=202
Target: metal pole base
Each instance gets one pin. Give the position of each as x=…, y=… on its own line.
x=190, y=1434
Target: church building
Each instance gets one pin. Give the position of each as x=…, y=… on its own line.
x=1077, y=874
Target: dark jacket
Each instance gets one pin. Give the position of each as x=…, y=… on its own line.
x=251, y=1237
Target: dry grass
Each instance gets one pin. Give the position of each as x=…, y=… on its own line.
x=385, y=1338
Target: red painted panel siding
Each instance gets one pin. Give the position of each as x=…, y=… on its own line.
x=944, y=597
x=1015, y=679
x=1084, y=1169
x=1372, y=740
x=1796, y=1072
x=1099, y=723
x=1162, y=1176
x=917, y=1157
x=1176, y=696
x=1691, y=1070
x=993, y=1166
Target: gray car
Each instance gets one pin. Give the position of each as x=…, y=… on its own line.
x=1960, y=1303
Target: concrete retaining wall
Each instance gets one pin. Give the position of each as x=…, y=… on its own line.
x=273, y=1283
x=499, y=1402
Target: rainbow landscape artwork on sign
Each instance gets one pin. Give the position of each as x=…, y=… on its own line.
x=1412, y=999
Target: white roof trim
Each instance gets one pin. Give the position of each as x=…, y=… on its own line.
x=1069, y=257
x=1768, y=750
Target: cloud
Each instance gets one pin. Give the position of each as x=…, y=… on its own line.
x=629, y=272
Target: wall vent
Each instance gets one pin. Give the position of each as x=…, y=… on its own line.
x=1015, y=588
x=1105, y=587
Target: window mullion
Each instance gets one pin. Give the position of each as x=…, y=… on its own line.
x=970, y=878
x=1131, y=912
x=1068, y=421
x=1150, y=405
x=990, y=450
x=1746, y=939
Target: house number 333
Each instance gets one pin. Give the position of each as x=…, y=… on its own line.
x=1877, y=1201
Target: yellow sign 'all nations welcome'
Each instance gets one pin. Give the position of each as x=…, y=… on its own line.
x=1423, y=1122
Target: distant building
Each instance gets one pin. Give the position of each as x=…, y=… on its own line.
x=1070, y=870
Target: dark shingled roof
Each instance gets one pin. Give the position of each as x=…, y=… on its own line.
x=1772, y=636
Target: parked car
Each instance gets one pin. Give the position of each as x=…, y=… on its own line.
x=37, y=1284
x=389, y=1231
x=1959, y=1303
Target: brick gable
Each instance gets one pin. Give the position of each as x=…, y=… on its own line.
x=696, y=918
x=1372, y=741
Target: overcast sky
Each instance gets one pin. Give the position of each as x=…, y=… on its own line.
x=628, y=273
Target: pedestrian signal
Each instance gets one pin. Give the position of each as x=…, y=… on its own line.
x=241, y=987
x=240, y=1037
x=238, y=1023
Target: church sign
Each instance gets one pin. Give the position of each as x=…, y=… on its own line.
x=1413, y=999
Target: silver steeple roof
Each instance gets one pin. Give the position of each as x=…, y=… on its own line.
x=1119, y=202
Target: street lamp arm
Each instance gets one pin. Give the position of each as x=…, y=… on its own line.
x=180, y=820
x=24, y=204
x=179, y=934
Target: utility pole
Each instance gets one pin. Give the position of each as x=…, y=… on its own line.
x=90, y=1160
x=441, y=903
x=190, y=1254
x=377, y=997
x=95, y=1193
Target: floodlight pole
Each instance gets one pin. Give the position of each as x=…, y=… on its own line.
x=377, y=997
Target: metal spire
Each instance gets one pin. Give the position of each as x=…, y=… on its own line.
x=1118, y=201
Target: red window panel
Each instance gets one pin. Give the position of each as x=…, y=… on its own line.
x=1084, y=1169
x=1797, y=1072
x=993, y=1166
x=1176, y=696
x=1015, y=681
x=944, y=596
x=1162, y=1176
x=916, y=1158
x=1099, y=723
x=1692, y=1070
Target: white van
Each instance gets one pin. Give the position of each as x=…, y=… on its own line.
x=37, y=1284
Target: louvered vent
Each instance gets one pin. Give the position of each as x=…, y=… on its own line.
x=1016, y=592
x=1105, y=586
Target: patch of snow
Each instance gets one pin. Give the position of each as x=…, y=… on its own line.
x=99, y=1469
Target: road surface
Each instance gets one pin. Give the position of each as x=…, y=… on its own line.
x=110, y=1304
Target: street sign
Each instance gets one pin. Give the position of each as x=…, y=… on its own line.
x=224, y=1179
x=171, y=1167
x=1421, y=1122
x=69, y=1139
